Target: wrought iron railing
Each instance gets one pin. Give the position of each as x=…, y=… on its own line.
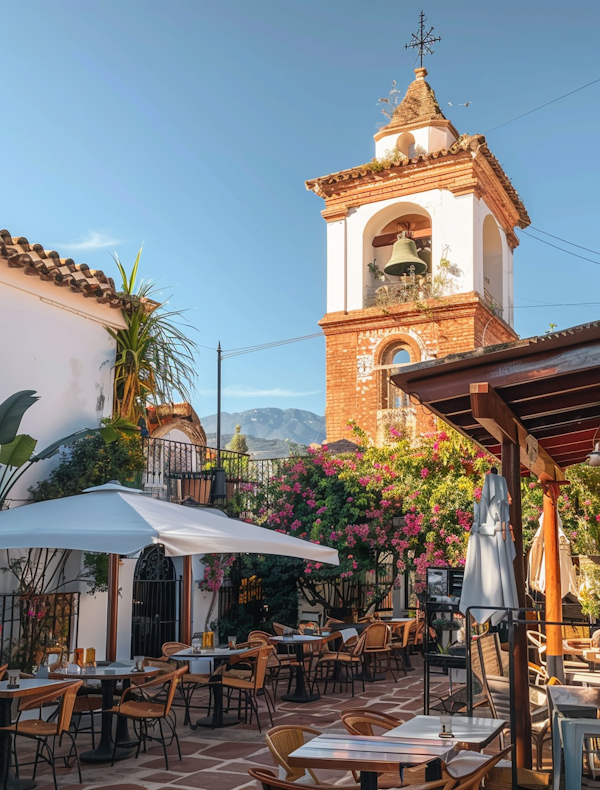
x=409, y=288
x=185, y=472
x=30, y=625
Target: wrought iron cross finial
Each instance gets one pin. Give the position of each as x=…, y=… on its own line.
x=423, y=40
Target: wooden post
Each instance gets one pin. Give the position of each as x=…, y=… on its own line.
x=511, y=470
x=113, y=607
x=185, y=629
x=554, y=651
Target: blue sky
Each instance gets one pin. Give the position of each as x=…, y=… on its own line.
x=192, y=126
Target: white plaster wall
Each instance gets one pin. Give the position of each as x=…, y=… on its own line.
x=93, y=615
x=176, y=435
x=336, y=266
x=67, y=358
x=453, y=228
x=431, y=138
x=481, y=212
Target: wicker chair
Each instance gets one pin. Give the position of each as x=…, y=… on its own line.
x=362, y=721
x=41, y=730
x=190, y=682
x=341, y=665
x=399, y=645
x=284, y=740
x=277, y=663
x=377, y=650
x=148, y=709
x=249, y=689
x=268, y=781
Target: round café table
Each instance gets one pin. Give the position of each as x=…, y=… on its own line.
x=108, y=679
x=297, y=641
x=218, y=655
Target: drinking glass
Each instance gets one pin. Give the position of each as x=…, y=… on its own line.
x=446, y=722
x=90, y=657
x=139, y=663
x=232, y=642
x=14, y=675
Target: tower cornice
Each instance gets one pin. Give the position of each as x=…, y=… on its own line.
x=466, y=167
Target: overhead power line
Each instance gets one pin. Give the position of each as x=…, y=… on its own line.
x=556, y=247
x=565, y=241
x=535, y=109
x=265, y=346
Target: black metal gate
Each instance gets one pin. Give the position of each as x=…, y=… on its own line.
x=156, y=602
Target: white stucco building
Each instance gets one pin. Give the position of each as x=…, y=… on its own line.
x=54, y=318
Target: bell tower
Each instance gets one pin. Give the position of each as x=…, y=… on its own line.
x=420, y=245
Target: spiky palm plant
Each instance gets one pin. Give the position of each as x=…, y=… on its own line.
x=155, y=358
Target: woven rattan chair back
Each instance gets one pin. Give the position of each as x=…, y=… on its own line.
x=378, y=636
x=66, y=702
x=261, y=637
x=359, y=721
x=173, y=647
x=285, y=739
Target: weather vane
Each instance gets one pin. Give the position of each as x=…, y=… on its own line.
x=423, y=41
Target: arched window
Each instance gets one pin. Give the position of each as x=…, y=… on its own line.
x=406, y=144
x=492, y=265
x=401, y=357
x=394, y=357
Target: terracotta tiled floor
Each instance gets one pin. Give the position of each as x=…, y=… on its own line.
x=219, y=759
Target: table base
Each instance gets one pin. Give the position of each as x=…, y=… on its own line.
x=105, y=755
x=300, y=697
x=20, y=784
x=368, y=780
x=225, y=721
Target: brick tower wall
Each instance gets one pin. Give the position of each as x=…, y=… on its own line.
x=355, y=347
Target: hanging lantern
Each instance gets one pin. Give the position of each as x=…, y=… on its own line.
x=593, y=459
x=405, y=259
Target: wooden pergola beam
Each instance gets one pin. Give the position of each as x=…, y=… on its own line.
x=496, y=417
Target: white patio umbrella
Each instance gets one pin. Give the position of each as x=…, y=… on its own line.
x=119, y=520
x=536, y=564
x=489, y=571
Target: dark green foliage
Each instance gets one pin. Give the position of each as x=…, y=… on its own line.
x=279, y=602
x=91, y=462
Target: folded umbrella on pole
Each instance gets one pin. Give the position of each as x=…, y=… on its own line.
x=536, y=564
x=489, y=578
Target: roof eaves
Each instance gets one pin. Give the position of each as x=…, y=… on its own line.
x=35, y=261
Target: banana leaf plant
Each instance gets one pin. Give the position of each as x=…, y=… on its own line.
x=17, y=451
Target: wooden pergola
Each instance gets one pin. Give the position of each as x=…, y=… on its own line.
x=535, y=405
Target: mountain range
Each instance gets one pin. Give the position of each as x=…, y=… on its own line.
x=291, y=425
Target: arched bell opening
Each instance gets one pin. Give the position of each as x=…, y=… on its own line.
x=413, y=223
x=492, y=265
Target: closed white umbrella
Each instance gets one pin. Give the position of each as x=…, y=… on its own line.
x=119, y=520
x=489, y=571
x=536, y=565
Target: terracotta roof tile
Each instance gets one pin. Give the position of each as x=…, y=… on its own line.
x=475, y=143
x=35, y=261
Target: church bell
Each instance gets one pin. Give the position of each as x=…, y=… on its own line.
x=404, y=257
